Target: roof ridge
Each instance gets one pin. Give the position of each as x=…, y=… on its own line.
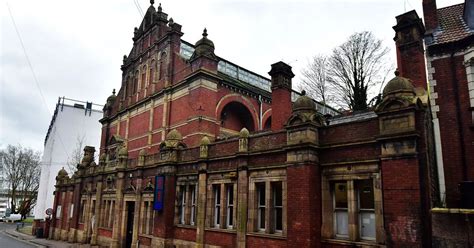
x=450, y=6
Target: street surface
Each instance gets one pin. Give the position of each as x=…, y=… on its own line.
x=9, y=242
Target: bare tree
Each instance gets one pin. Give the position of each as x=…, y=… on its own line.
x=76, y=155
x=21, y=169
x=356, y=66
x=316, y=82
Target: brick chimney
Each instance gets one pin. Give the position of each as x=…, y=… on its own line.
x=409, y=33
x=430, y=15
x=281, y=94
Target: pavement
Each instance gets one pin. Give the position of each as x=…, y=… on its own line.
x=37, y=242
x=42, y=243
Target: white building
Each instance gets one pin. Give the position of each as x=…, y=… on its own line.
x=4, y=200
x=73, y=123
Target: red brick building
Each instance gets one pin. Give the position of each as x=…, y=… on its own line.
x=449, y=55
x=199, y=152
x=449, y=44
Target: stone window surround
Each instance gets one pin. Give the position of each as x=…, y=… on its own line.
x=328, y=231
x=107, y=213
x=144, y=220
x=267, y=177
x=186, y=182
x=83, y=209
x=217, y=180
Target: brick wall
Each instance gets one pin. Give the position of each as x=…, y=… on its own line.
x=304, y=206
x=456, y=131
x=402, y=203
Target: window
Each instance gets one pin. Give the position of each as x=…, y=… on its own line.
x=152, y=71
x=186, y=204
x=353, y=200
x=366, y=209
x=143, y=80
x=124, y=87
x=147, y=217
x=109, y=212
x=135, y=83
x=182, y=204
x=341, y=217
x=130, y=85
x=277, y=195
x=261, y=206
x=163, y=64
x=105, y=214
x=82, y=211
x=222, y=200
x=230, y=206
x=192, y=189
x=58, y=212
x=71, y=210
x=216, y=189
x=267, y=211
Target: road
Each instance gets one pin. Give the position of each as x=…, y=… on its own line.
x=7, y=241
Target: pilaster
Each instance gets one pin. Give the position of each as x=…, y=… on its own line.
x=97, y=212
x=201, y=211
x=303, y=175
x=116, y=229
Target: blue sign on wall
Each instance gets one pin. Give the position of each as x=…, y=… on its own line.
x=159, y=193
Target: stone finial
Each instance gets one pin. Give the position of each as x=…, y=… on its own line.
x=159, y=7
x=204, y=47
x=304, y=103
x=205, y=141
x=243, y=140
x=173, y=140
x=141, y=157
x=122, y=155
x=152, y=2
x=62, y=174
x=171, y=22
x=123, y=152
x=204, y=147
x=244, y=133
x=396, y=72
x=88, y=156
x=398, y=93
x=174, y=135
x=102, y=159
x=399, y=85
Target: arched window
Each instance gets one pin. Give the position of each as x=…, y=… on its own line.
x=152, y=71
x=130, y=84
x=143, y=79
x=124, y=86
x=135, y=82
x=163, y=65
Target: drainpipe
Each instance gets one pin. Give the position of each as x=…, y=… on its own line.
x=260, y=105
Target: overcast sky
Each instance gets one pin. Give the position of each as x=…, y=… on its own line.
x=76, y=47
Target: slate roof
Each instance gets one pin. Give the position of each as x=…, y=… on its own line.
x=452, y=26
